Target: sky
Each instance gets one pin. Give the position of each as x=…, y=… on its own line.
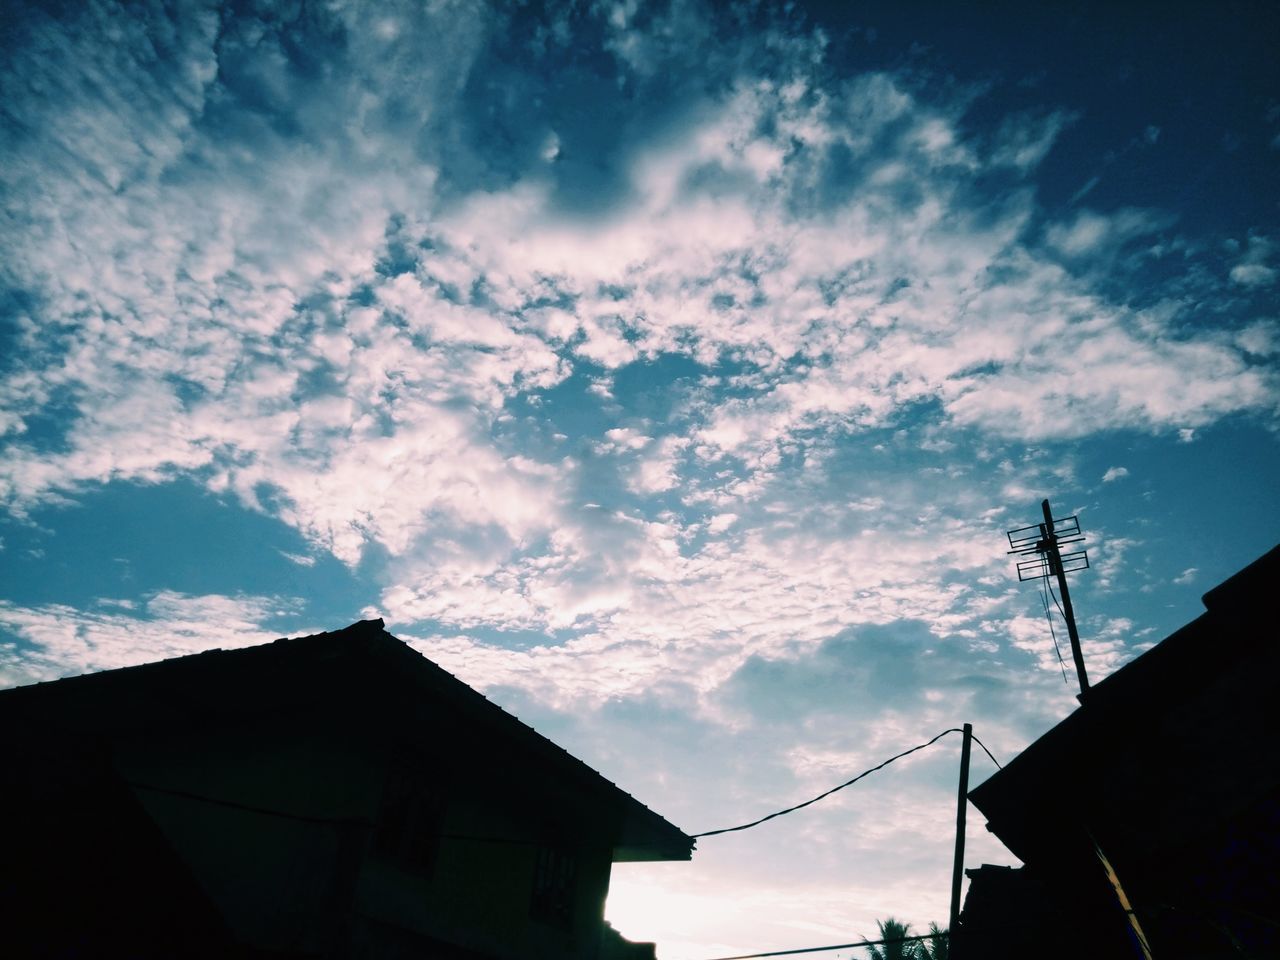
x=670, y=372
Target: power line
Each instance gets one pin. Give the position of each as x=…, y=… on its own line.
x=305, y=818
x=1044, y=598
x=250, y=808
x=823, y=796
x=986, y=751
x=1054, y=594
x=350, y=821
x=838, y=946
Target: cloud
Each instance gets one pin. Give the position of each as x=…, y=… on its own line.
x=57, y=640
x=1252, y=269
x=1259, y=339
x=1115, y=473
x=1091, y=233
x=1024, y=141
x=348, y=354
x=1086, y=188
x=434, y=360
x=648, y=606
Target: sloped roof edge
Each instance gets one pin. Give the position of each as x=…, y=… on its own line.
x=652, y=837
x=1152, y=684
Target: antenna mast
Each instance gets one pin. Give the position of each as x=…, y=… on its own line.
x=1044, y=540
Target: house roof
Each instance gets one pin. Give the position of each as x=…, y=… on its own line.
x=1165, y=749
x=362, y=672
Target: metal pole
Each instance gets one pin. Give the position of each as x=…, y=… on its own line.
x=1135, y=927
x=962, y=805
x=1055, y=567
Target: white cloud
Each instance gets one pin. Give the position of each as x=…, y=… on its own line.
x=884, y=295
x=1252, y=269
x=722, y=522
x=658, y=469
x=1092, y=233
x=1115, y=473
x=643, y=608
x=61, y=641
x=1024, y=141
x=1259, y=338
x=1108, y=559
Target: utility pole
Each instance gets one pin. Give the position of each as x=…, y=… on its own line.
x=962, y=806
x=1068, y=613
x=1045, y=540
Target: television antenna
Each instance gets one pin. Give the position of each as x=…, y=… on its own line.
x=1042, y=543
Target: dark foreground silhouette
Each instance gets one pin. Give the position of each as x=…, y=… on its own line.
x=1149, y=819
x=329, y=796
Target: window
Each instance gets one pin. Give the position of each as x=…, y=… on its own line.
x=555, y=882
x=411, y=817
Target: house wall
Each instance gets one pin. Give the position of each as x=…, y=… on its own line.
x=273, y=827
x=256, y=802
x=282, y=833
x=478, y=892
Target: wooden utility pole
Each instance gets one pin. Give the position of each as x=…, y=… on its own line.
x=962, y=806
x=1054, y=556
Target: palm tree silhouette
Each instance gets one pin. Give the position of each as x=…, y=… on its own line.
x=937, y=947
x=891, y=929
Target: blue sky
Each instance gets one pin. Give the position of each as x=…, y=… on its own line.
x=668, y=371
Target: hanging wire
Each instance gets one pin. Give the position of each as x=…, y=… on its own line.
x=839, y=946
x=1045, y=590
x=975, y=739
x=1053, y=594
x=822, y=796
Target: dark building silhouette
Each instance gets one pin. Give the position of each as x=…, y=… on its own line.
x=1171, y=770
x=337, y=795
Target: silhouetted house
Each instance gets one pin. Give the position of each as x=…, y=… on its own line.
x=1171, y=769
x=329, y=796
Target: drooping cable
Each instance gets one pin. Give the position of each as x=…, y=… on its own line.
x=975, y=739
x=823, y=796
x=1048, y=615
x=1053, y=593
x=248, y=807
x=839, y=946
